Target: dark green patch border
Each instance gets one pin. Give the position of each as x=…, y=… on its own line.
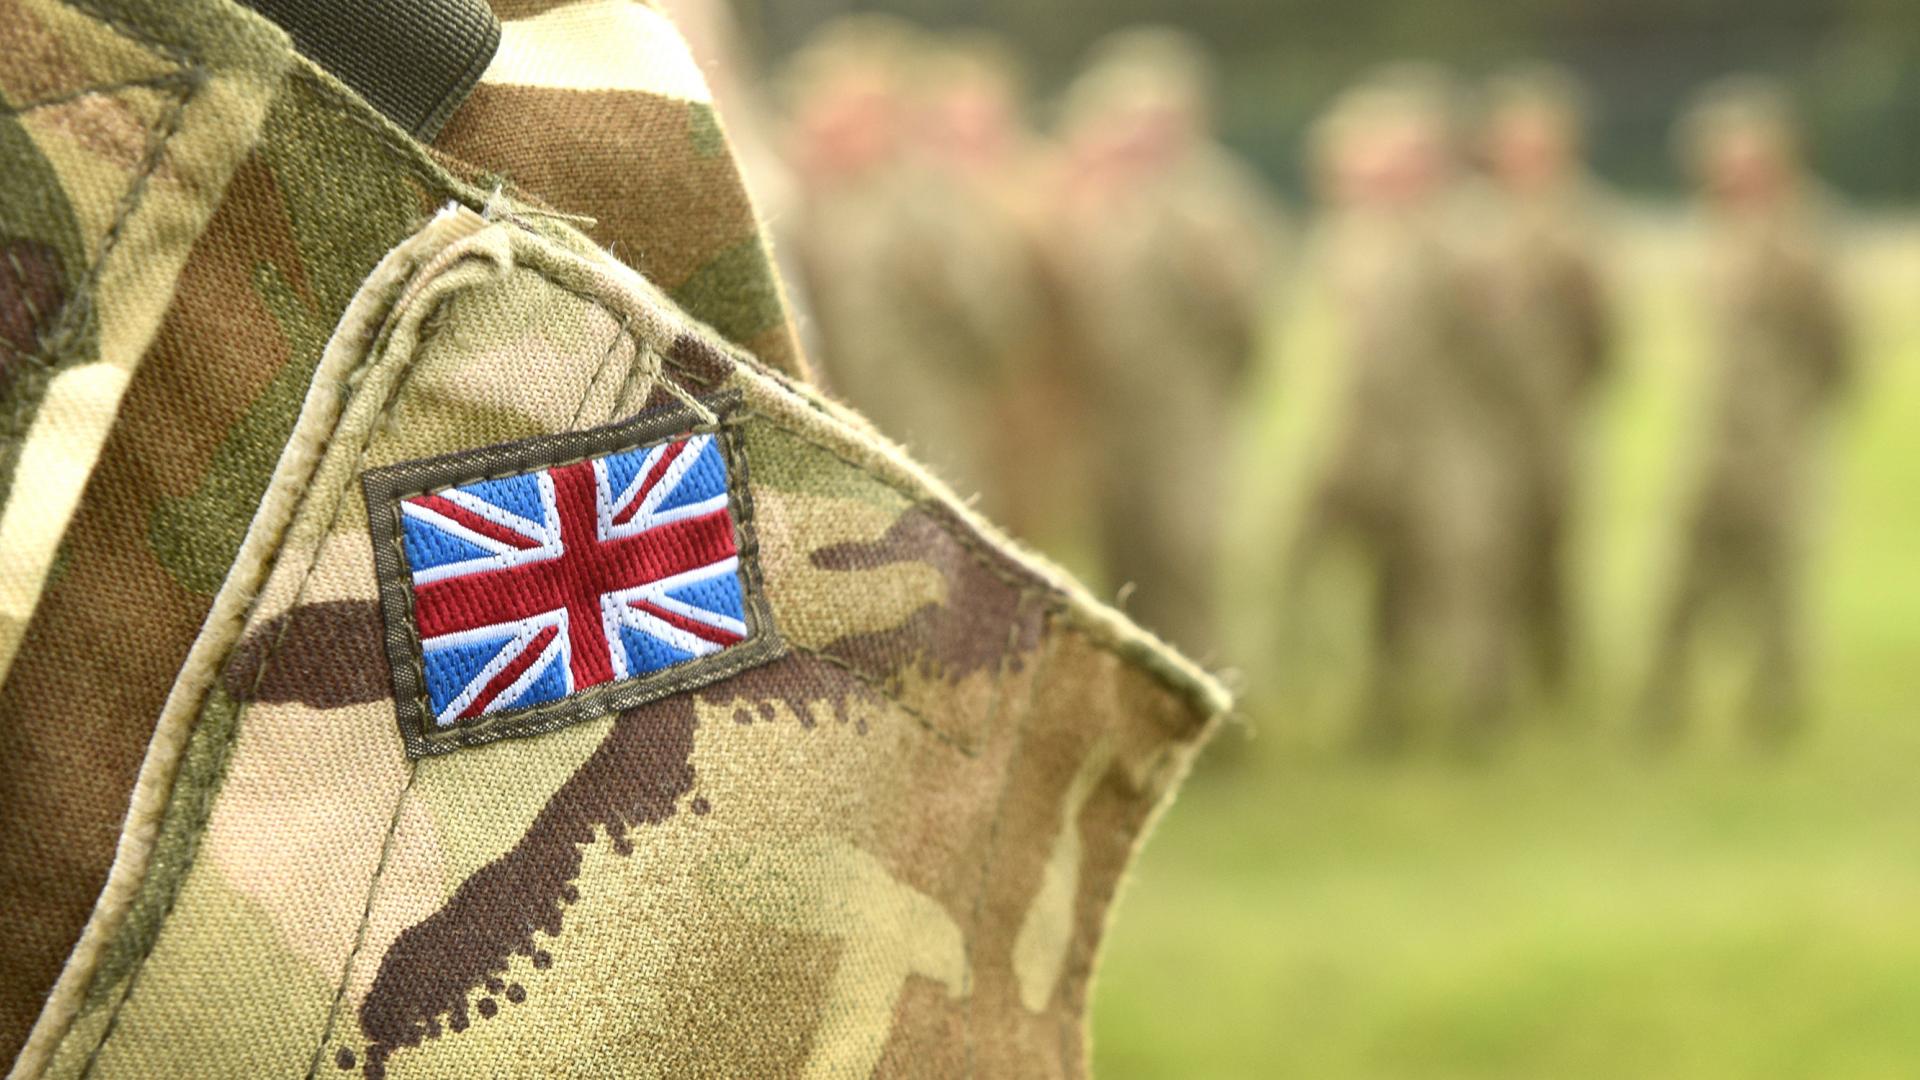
x=385, y=488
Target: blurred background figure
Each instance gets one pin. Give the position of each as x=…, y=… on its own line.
x=1449, y=471
x=976, y=284
x=1165, y=251
x=918, y=260
x=1421, y=477
x=847, y=143
x=1780, y=354
x=1549, y=318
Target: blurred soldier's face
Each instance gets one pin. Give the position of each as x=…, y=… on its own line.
x=849, y=127
x=1408, y=164
x=1151, y=136
x=1747, y=168
x=970, y=125
x=1529, y=149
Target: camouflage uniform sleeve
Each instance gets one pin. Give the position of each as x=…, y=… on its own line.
x=885, y=840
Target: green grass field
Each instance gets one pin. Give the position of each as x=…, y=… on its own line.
x=1572, y=908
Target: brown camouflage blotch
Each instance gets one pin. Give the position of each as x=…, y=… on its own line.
x=929, y=1032
x=811, y=688
x=636, y=777
x=32, y=292
x=980, y=623
x=220, y=345
x=325, y=655
x=624, y=159
x=576, y=151
x=699, y=361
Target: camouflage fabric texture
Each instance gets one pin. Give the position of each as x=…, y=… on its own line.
x=266, y=216
x=889, y=851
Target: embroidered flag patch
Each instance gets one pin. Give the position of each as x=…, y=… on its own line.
x=532, y=585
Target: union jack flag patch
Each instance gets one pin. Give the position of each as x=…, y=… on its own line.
x=533, y=585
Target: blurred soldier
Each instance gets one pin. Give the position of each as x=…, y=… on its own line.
x=1417, y=478
x=1549, y=316
x=968, y=278
x=1781, y=354
x=847, y=147
x=920, y=270
x=1166, y=253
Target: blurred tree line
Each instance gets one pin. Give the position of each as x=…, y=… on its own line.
x=1854, y=64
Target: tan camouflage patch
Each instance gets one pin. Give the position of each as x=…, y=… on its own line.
x=904, y=833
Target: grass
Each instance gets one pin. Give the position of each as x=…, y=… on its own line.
x=1572, y=908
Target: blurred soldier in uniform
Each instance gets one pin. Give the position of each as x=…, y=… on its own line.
x=971, y=278
x=921, y=271
x=1781, y=354
x=1166, y=253
x=1548, y=314
x=846, y=141
x=1418, y=477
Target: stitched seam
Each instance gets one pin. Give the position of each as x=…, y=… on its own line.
x=171, y=80
x=620, y=334
x=266, y=665
x=366, y=919
x=44, y=360
x=667, y=359
x=633, y=379
x=880, y=687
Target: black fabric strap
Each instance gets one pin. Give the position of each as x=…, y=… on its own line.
x=414, y=60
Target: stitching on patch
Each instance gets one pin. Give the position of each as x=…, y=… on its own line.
x=386, y=488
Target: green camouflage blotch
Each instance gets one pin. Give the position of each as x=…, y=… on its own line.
x=709, y=141
x=735, y=292
x=785, y=462
x=196, y=538
x=203, y=768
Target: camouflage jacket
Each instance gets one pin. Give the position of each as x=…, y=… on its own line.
x=433, y=645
